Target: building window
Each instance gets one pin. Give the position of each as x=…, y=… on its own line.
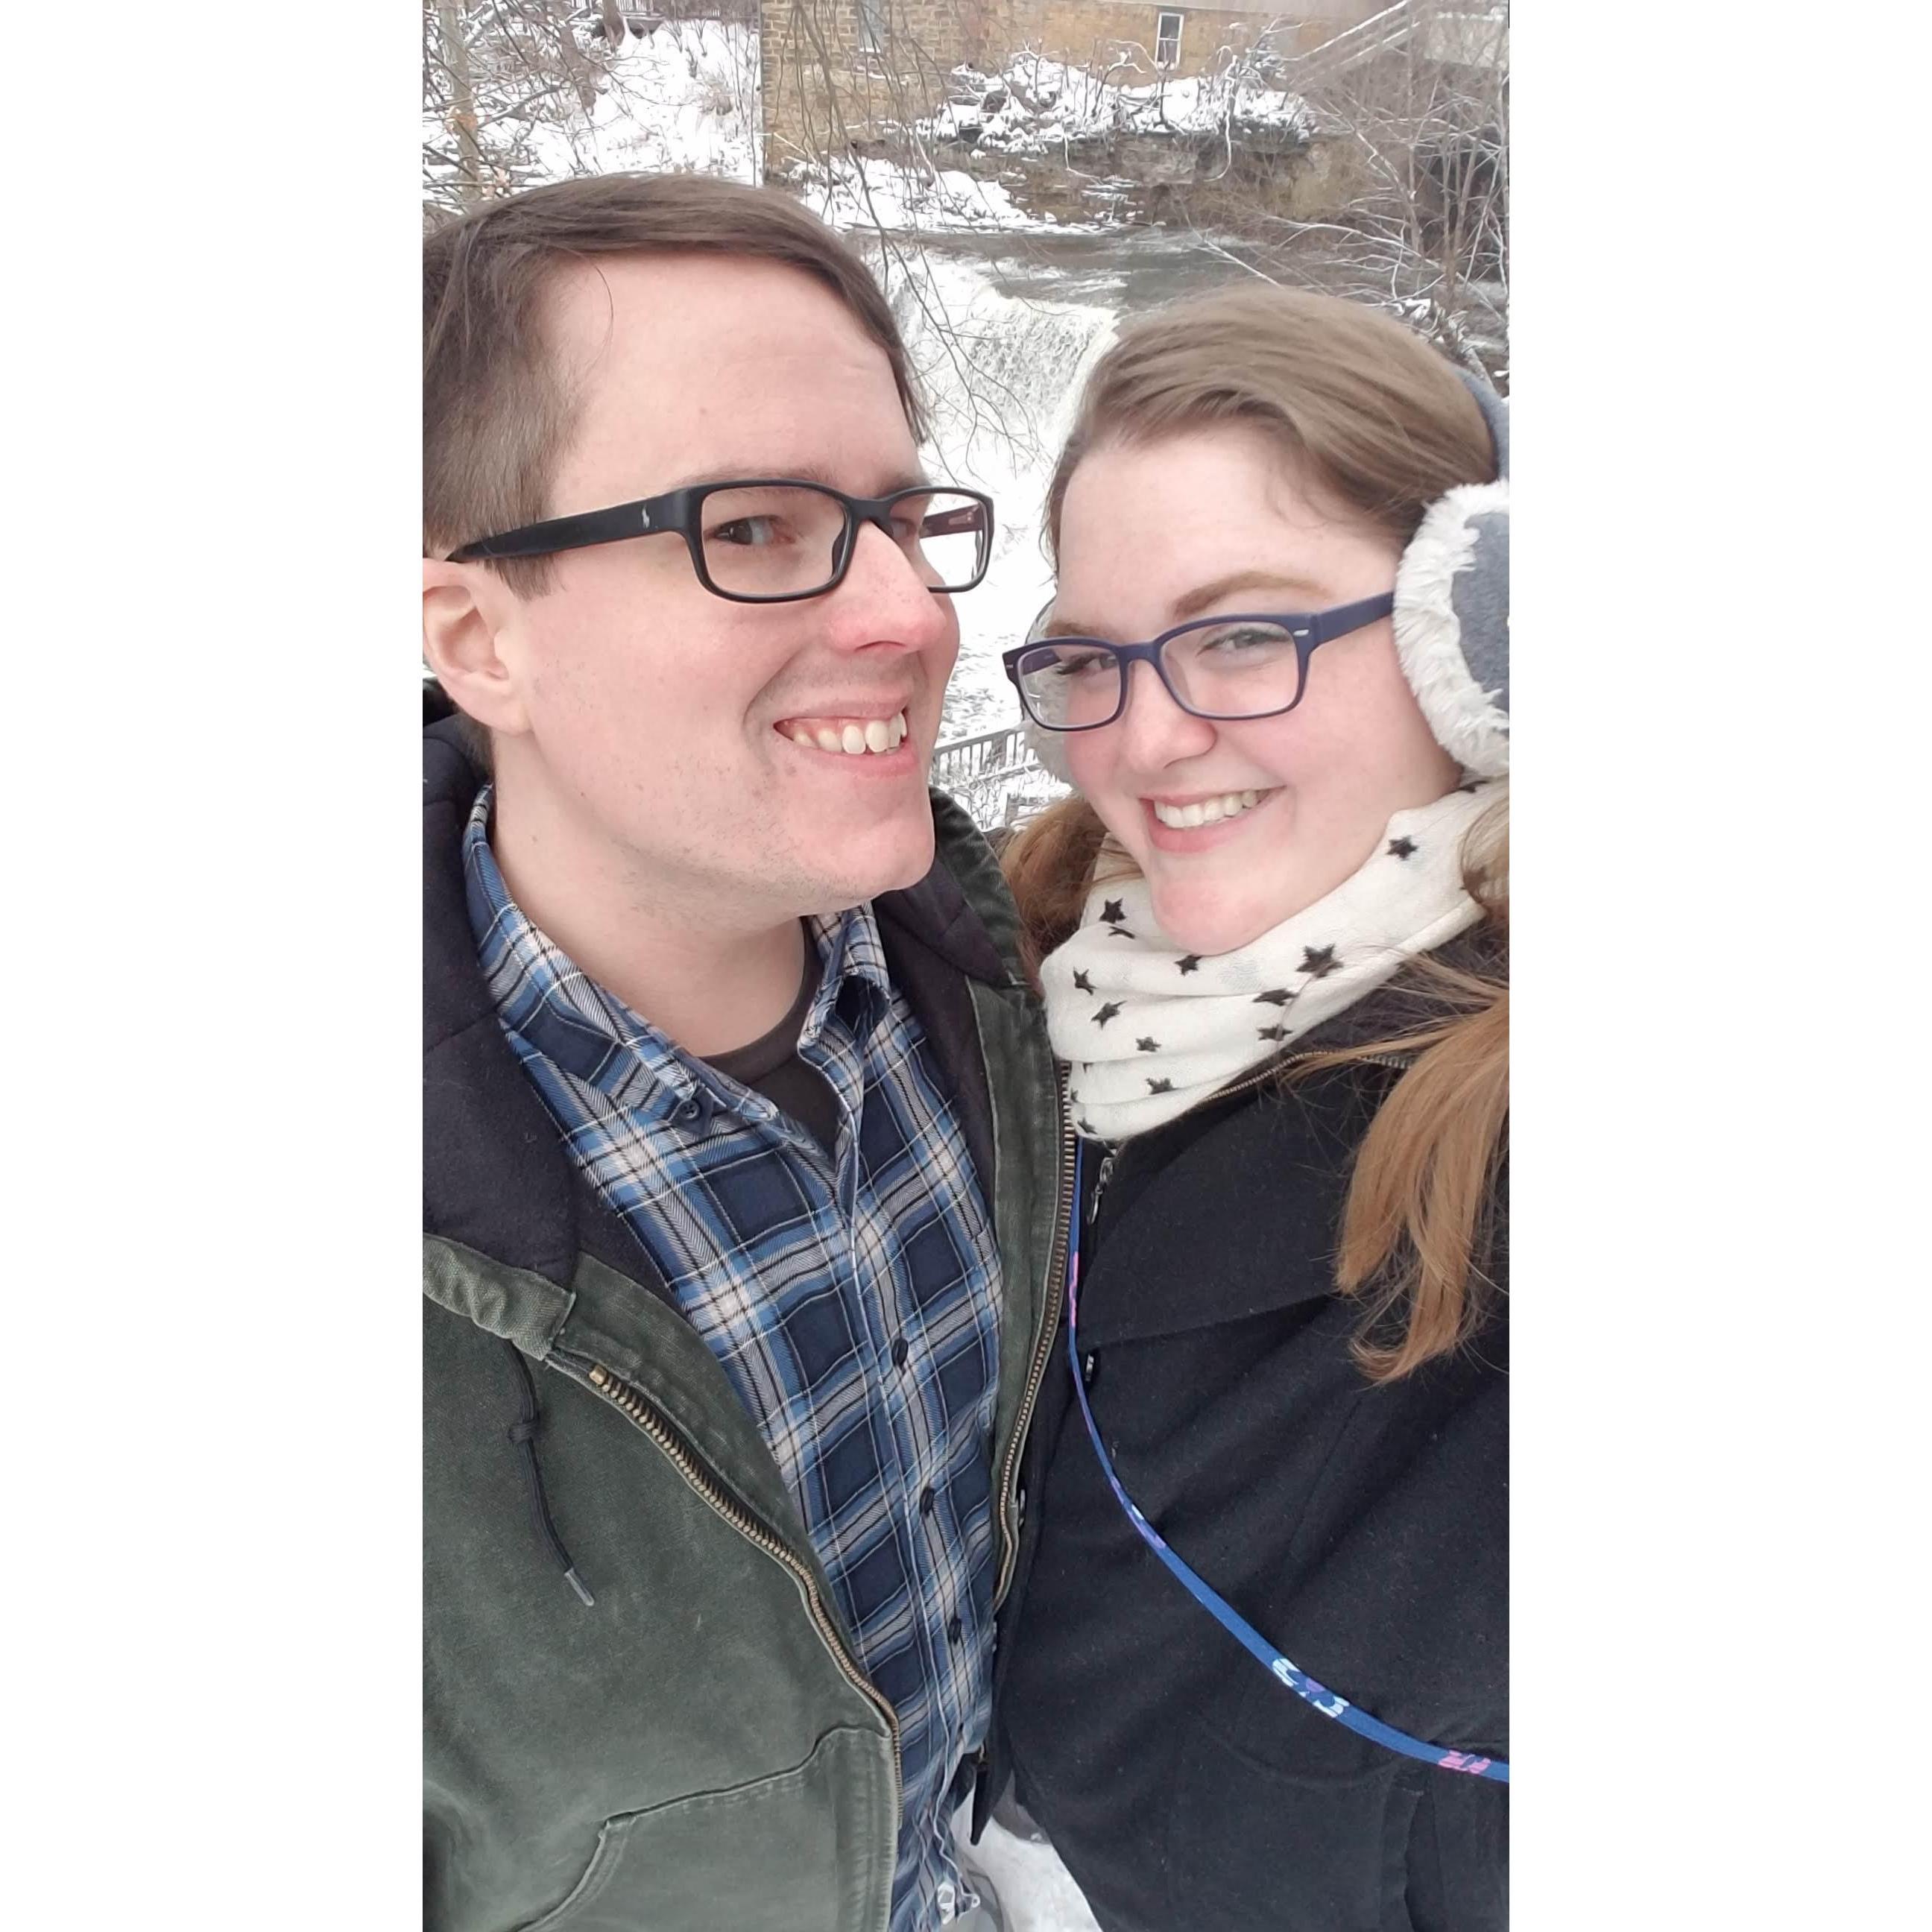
x=872, y=25
x=1167, y=40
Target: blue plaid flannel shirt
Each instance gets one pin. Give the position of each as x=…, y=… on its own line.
x=853, y=1311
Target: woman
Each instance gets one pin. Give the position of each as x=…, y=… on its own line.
x=1271, y=927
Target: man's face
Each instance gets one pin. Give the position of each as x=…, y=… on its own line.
x=661, y=755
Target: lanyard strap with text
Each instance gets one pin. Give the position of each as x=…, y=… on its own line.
x=1328, y=1702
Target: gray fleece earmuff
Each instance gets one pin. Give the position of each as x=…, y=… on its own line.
x=1451, y=617
x=1452, y=609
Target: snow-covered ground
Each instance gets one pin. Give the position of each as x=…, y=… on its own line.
x=1037, y=1892
x=874, y=194
x=1035, y=106
x=684, y=97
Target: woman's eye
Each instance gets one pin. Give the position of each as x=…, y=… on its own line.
x=1242, y=639
x=1085, y=665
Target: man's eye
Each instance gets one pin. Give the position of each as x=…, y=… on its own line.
x=753, y=532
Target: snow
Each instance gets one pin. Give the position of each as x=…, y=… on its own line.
x=874, y=193
x=683, y=98
x=1038, y=105
x=1036, y=1891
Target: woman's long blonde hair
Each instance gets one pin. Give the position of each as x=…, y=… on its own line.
x=1366, y=409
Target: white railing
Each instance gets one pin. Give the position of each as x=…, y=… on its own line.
x=965, y=758
x=1379, y=31
x=995, y=776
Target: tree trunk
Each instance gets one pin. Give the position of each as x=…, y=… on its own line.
x=462, y=101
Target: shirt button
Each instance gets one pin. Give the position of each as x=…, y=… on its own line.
x=955, y=1630
x=927, y=1502
x=688, y=1113
x=900, y=1351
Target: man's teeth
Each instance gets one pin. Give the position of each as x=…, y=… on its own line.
x=1207, y=810
x=854, y=737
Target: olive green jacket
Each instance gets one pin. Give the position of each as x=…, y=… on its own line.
x=696, y=1748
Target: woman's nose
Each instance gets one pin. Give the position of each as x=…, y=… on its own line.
x=1154, y=729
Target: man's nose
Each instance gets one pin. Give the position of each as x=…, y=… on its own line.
x=1154, y=730
x=884, y=599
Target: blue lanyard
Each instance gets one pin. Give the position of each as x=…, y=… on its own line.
x=1328, y=1702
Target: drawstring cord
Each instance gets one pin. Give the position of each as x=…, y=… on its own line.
x=523, y=1434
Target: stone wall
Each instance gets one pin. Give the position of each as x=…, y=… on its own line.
x=1117, y=37
x=825, y=89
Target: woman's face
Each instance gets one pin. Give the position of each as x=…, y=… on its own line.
x=1212, y=520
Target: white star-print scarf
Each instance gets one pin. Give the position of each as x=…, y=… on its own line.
x=1148, y=1031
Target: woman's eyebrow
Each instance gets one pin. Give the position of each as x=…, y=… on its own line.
x=1207, y=594
x=1065, y=627
x=1222, y=588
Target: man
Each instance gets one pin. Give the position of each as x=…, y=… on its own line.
x=740, y=1125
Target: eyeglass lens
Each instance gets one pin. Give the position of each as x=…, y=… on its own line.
x=1243, y=669
x=783, y=540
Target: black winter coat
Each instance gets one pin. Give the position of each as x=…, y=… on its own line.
x=1362, y=1529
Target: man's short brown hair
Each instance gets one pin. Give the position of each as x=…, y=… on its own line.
x=497, y=411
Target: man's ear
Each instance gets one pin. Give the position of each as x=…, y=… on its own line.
x=467, y=609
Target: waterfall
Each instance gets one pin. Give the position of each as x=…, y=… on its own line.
x=1001, y=374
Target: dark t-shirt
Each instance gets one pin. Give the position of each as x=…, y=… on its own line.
x=770, y=1066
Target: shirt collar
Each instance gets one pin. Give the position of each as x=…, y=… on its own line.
x=542, y=996
x=853, y=982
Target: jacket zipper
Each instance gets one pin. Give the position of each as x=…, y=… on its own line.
x=1056, y=1270
x=624, y=1397
x=1274, y=1066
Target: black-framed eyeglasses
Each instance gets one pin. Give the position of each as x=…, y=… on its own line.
x=1244, y=665
x=768, y=540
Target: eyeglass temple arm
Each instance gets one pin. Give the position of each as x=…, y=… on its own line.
x=1325, y=625
x=577, y=532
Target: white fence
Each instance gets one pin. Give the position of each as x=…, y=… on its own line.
x=995, y=776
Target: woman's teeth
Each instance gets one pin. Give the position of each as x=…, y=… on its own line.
x=1207, y=810
x=854, y=736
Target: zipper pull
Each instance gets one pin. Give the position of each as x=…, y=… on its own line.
x=1100, y=1180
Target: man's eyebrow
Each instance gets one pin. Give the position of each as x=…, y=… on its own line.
x=915, y=478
